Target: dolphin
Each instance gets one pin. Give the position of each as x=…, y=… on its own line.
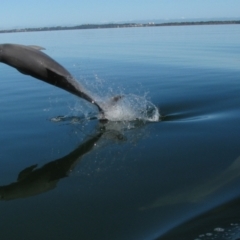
x=30, y=60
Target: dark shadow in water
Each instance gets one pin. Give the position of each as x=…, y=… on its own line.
x=32, y=181
x=200, y=192
x=222, y=222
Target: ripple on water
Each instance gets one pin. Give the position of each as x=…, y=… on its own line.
x=197, y=117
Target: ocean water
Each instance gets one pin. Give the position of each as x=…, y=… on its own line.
x=167, y=165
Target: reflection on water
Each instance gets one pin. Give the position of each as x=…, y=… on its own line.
x=32, y=180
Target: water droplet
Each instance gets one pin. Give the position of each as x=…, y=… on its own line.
x=219, y=229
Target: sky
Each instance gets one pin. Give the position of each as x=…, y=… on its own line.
x=40, y=13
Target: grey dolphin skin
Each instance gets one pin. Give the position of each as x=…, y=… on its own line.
x=30, y=60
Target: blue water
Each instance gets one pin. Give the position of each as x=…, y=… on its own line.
x=177, y=178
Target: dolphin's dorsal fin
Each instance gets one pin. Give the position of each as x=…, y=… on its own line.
x=25, y=172
x=36, y=47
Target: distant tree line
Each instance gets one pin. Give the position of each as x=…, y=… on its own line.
x=113, y=25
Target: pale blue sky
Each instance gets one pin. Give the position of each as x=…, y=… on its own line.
x=30, y=13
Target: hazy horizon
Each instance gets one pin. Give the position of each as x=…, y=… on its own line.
x=24, y=14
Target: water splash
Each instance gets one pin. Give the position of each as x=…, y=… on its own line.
x=130, y=107
x=118, y=103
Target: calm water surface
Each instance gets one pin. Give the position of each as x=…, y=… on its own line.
x=63, y=176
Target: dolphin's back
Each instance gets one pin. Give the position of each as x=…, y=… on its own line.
x=30, y=60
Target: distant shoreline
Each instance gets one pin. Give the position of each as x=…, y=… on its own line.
x=122, y=25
